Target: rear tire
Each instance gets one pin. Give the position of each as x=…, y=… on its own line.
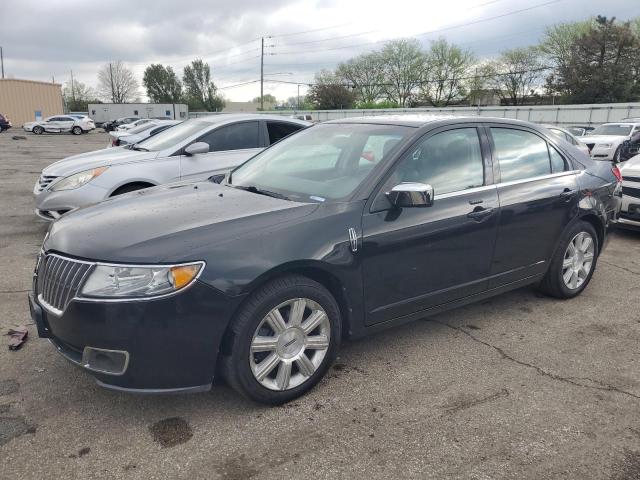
x=289, y=328
x=574, y=262
x=76, y=130
x=38, y=130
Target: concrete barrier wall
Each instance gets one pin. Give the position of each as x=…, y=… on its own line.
x=589, y=115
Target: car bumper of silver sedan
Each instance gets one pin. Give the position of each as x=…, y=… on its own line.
x=50, y=205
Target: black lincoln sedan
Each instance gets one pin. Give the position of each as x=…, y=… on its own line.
x=345, y=228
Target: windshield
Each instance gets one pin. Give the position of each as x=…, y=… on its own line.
x=172, y=136
x=327, y=161
x=612, y=129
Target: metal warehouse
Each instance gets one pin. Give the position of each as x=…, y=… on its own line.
x=27, y=100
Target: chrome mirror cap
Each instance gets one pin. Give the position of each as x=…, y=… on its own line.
x=410, y=194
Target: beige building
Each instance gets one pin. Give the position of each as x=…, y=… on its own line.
x=24, y=100
x=245, y=107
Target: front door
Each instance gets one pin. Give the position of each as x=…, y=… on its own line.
x=538, y=193
x=417, y=258
x=229, y=146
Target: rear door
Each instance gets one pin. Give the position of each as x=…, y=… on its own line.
x=229, y=146
x=277, y=130
x=66, y=123
x=538, y=194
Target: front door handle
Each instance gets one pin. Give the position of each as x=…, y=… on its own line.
x=480, y=213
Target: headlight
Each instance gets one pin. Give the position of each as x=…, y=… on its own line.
x=75, y=181
x=133, y=281
x=605, y=145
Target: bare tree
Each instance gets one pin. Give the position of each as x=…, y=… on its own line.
x=117, y=83
x=366, y=74
x=404, y=65
x=447, y=67
x=517, y=73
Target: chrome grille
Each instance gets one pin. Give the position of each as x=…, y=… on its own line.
x=58, y=281
x=45, y=180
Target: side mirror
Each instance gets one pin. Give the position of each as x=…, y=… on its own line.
x=411, y=194
x=196, y=148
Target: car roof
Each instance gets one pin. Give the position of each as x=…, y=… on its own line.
x=236, y=117
x=421, y=120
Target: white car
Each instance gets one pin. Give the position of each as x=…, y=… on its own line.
x=630, y=212
x=59, y=124
x=195, y=149
x=564, y=134
x=605, y=142
x=132, y=125
x=148, y=129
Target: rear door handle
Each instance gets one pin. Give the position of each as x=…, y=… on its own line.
x=567, y=194
x=480, y=213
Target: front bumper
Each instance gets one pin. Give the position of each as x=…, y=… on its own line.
x=50, y=205
x=630, y=211
x=172, y=343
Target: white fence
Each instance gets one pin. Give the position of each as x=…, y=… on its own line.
x=587, y=115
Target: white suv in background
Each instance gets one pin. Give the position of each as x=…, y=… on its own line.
x=60, y=123
x=193, y=150
x=605, y=142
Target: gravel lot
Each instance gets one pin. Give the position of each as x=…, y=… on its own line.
x=520, y=386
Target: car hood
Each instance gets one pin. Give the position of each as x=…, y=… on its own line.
x=170, y=223
x=602, y=138
x=98, y=158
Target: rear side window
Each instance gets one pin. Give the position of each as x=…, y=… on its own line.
x=279, y=130
x=520, y=154
x=449, y=161
x=237, y=136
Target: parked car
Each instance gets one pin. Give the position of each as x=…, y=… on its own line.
x=195, y=149
x=565, y=134
x=135, y=135
x=129, y=126
x=312, y=241
x=605, y=142
x=113, y=124
x=579, y=131
x=60, y=124
x=5, y=123
x=630, y=213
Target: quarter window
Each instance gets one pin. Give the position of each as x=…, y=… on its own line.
x=449, y=161
x=279, y=130
x=237, y=136
x=520, y=154
x=557, y=162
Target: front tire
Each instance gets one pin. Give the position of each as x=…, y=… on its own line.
x=283, y=340
x=38, y=130
x=574, y=262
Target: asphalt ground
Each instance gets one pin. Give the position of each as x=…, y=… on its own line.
x=518, y=386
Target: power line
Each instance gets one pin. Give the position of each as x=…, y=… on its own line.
x=328, y=39
x=475, y=22
x=309, y=31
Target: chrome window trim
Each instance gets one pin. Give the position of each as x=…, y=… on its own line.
x=463, y=192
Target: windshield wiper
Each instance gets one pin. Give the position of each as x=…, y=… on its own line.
x=139, y=149
x=260, y=191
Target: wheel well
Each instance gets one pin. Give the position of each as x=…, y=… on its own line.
x=597, y=224
x=130, y=187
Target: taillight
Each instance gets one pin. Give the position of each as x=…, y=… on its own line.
x=618, y=174
x=115, y=142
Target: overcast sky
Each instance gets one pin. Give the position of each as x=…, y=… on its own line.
x=45, y=39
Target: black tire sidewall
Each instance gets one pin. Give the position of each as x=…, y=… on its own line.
x=580, y=226
x=38, y=130
x=239, y=366
x=75, y=131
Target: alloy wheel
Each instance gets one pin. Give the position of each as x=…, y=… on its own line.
x=289, y=344
x=578, y=260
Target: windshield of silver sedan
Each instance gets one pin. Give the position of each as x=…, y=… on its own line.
x=612, y=129
x=173, y=136
x=324, y=162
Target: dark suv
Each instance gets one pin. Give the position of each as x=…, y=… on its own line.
x=342, y=229
x=5, y=124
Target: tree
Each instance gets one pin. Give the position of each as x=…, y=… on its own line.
x=162, y=84
x=116, y=83
x=77, y=96
x=366, y=74
x=329, y=93
x=268, y=98
x=600, y=64
x=200, y=91
x=517, y=73
x=446, y=68
x=404, y=65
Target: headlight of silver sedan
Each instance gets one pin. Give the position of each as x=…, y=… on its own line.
x=138, y=281
x=77, y=180
x=605, y=145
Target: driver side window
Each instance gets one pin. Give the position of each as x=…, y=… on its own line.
x=449, y=161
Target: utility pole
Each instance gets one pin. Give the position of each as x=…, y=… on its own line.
x=73, y=92
x=111, y=77
x=2, y=62
x=262, y=76
x=298, y=97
